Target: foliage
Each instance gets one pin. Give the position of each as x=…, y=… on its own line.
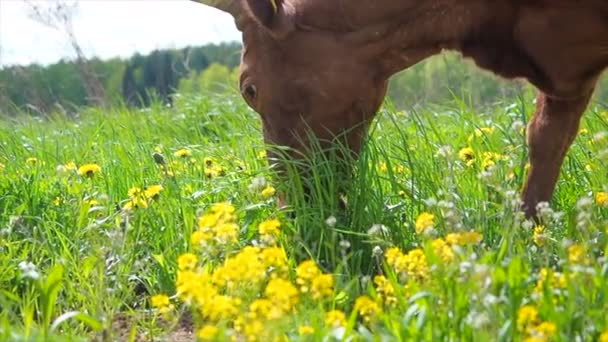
x=129, y=223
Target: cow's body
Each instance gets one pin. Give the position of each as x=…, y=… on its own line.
x=324, y=65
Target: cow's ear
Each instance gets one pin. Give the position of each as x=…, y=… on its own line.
x=276, y=15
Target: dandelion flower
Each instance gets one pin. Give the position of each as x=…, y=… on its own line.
x=207, y=332
x=526, y=316
x=305, y=330
x=183, y=153
x=335, y=319
x=601, y=198
x=467, y=155
x=187, y=261
x=89, y=170
x=322, y=286
x=270, y=227
x=367, y=308
x=162, y=303
x=604, y=335
x=424, y=221
x=539, y=237
x=282, y=293
x=153, y=191
x=268, y=192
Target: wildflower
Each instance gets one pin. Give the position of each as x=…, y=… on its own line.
x=544, y=330
x=604, y=335
x=274, y=257
x=443, y=250
x=162, y=303
x=153, y=191
x=335, y=319
x=466, y=238
x=547, y=277
x=32, y=160
x=367, y=308
x=305, y=330
x=539, y=236
x=268, y=192
x=270, y=227
x=526, y=316
x=306, y=272
x=467, y=155
x=183, y=153
x=322, y=286
x=263, y=308
x=331, y=221
x=385, y=289
x=29, y=270
x=424, y=221
x=382, y=167
x=135, y=192
x=262, y=154
x=227, y=233
x=135, y=203
x=187, y=261
x=200, y=237
x=89, y=170
x=601, y=198
x=221, y=307
x=282, y=293
x=207, y=332
x=479, y=132
x=57, y=201
x=410, y=265
x=576, y=254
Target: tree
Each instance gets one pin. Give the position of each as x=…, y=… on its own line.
x=59, y=15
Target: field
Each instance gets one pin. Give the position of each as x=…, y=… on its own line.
x=163, y=224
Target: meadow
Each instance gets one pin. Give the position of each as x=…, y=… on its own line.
x=162, y=224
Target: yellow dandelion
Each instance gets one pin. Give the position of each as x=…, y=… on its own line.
x=32, y=160
x=577, y=254
x=153, y=191
x=443, y=250
x=305, y=330
x=187, y=261
x=89, y=170
x=135, y=192
x=385, y=289
x=526, y=316
x=135, y=203
x=322, y=286
x=424, y=222
x=268, y=192
x=208, y=332
x=545, y=330
x=539, y=237
x=182, y=153
x=162, y=303
x=367, y=308
x=601, y=198
x=335, y=319
x=604, y=335
x=270, y=227
x=282, y=293
x=467, y=155
x=262, y=154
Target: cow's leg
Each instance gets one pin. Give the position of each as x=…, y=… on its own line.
x=550, y=134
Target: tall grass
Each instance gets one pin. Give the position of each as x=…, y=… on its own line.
x=77, y=263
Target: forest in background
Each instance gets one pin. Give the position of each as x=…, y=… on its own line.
x=213, y=68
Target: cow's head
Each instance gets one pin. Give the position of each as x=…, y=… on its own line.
x=299, y=74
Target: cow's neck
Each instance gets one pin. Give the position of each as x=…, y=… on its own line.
x=424, y=30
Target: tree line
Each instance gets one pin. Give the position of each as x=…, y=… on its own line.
x=136, y=81
x=142, y=79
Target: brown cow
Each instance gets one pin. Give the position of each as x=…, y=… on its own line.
x=324, y=64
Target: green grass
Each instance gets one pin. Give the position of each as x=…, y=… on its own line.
x=95, y=265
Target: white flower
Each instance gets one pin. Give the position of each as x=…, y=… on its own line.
x=28, y=270
x=331, y=221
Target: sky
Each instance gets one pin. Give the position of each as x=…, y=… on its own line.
x=111, y=28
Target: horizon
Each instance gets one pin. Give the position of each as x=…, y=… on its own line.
x=24, y=41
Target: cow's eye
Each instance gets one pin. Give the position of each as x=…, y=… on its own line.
x=250, y=92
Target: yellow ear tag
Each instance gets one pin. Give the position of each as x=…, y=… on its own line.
x=274, y=5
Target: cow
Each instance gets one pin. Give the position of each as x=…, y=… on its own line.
x=324, y=65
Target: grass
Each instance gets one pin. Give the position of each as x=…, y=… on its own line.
x=84, y=256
